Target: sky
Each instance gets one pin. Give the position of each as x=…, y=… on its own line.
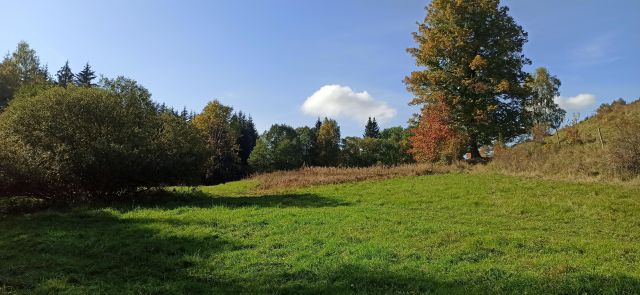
x=291, y=61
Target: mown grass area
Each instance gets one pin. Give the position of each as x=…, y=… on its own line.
x=452, y=233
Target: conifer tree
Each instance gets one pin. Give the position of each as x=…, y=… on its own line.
x=64, y=75
x=246, y=135
x=85, y=76
x=372, y=130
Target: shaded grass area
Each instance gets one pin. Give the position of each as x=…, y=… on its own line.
x=453, y=233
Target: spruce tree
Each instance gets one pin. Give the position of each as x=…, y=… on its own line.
x=65, y=75
x=246, y=135
x=184, y=114
x=372, y=130
x=85, y=76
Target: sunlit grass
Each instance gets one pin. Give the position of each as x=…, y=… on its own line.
x=453, y=233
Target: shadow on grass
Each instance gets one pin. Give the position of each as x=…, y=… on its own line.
x=97, y=252
x=172, y=200
x=198, y=199
x=94, y=252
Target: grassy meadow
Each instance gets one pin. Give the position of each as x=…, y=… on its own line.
x=449, y=233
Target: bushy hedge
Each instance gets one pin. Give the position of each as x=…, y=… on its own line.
x=94, y=142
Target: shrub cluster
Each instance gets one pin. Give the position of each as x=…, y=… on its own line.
x=94, y=142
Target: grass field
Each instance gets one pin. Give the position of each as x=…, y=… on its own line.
x=452, y=233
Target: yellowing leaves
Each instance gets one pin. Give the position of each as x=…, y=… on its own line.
x=478, y=63
x=503, y=86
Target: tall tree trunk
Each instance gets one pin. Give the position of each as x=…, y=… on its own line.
x=474, y=149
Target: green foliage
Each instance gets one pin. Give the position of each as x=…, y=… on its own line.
x=308, y=138
x=471, y=58
x=392, y=148
x=329, y=143
x=371, y=130
x=21, y=69
x=436, y=234
x=544, y=112
x=181, y=150
x=245, y=133
x=279, y=148
x=214, y=123
x=27, y=63
x=71, y=143
x=85, y=77
x=9, y=80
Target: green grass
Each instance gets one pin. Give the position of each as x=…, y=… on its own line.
x=455, y=233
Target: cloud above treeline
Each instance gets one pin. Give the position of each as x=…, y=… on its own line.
x=336, y=101
x=579, y=103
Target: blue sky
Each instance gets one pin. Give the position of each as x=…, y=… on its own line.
x=267, y=58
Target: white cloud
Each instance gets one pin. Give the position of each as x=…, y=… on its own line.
x=340, y=101
x=579, y=103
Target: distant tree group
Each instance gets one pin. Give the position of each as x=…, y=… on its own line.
x=279, y=148
x=283, y=148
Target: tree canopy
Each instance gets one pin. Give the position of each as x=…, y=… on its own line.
x=543, y=110
x=214, y=123
x=471, y=58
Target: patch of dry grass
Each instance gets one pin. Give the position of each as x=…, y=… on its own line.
x=311, y=176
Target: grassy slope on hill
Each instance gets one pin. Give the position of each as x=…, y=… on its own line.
x=453, y=233
x=563, y=156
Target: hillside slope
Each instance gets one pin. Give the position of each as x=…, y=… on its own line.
x=602, y=146
x=445, y=234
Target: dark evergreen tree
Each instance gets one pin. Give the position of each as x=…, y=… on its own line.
x=85, y=76
x=184, y=114
x=318, y=125
x=372, y=130
x=246, y=135
x=64, y=75
x=314, y=149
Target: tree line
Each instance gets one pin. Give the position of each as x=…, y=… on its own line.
x=283, y=147
x=72, y=137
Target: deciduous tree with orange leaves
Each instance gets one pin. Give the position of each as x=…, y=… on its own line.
x=433, y=139
x=471, y=82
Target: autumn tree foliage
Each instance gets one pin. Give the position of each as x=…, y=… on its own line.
x=329, y=143
x=471, y=57
x=434, y=139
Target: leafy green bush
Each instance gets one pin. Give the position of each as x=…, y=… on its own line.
x=279, y=148
x=91, y=142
